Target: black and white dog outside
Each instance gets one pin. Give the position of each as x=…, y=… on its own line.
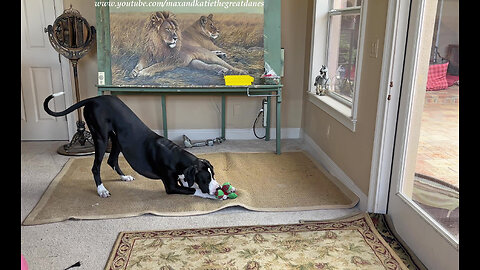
x=148, y=153
x=321, y=81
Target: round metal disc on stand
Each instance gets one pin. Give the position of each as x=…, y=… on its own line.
x=73, y=37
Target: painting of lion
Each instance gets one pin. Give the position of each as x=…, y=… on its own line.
x=168, y=49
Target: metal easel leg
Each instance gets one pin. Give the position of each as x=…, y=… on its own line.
x=267, y=128
x=278, y=123
x=164, y=116
x=223, y=117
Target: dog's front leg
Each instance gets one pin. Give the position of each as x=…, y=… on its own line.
x=198, y=192
x=176, y=189
x=170, y=181
x=113, y=159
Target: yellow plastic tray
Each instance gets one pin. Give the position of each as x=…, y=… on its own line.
x=238, y=79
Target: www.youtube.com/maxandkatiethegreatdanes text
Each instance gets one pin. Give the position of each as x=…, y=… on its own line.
x=189, y=3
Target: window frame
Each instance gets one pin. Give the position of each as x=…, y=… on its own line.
x=334, y=104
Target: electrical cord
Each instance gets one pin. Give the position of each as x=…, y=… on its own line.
x=254, y=123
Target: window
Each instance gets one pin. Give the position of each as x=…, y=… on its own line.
x=343, y=33
x=336, y=44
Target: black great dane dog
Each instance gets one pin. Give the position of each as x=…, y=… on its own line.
x=148, y=153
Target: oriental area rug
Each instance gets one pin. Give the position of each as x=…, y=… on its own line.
x=350, y=243
x=264, y=182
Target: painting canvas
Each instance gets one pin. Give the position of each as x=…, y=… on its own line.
x=185, y=42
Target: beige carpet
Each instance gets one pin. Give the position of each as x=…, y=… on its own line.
x=351, y=243
x=265, y=182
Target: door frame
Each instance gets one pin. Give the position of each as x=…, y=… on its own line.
x=387, y=105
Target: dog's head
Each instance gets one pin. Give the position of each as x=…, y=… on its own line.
x=203, y=175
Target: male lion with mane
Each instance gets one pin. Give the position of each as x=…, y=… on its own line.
x=163, y=50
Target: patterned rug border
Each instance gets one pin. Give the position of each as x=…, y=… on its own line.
x=385, y=228
x=122, y=248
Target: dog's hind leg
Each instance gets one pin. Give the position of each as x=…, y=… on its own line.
x=113, y=159
x=100, y=142
x=100, y=148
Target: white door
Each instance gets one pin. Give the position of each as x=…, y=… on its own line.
x=41, y=73
x=435, y=246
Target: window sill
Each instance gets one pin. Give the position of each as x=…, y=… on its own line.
x=335, y=109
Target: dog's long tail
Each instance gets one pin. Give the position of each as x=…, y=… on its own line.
x=65, y=112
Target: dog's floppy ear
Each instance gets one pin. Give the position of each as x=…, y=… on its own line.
x=207, y=163
x=190, y=173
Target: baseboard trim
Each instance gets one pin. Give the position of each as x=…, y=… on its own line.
x=230, y=134
x=330, y=166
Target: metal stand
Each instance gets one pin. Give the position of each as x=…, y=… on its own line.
x=72, y=37
x=81, y=143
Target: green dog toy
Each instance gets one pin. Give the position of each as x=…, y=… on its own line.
x=227, y=191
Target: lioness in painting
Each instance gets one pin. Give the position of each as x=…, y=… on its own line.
x=202, y=33
x=163, y=50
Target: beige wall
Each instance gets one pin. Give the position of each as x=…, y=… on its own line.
x=202, y=112
x=352, y=151
x=449, y=26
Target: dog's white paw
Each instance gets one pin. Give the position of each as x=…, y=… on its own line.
x=102, y=191
x=199, y=193
x=127, y=178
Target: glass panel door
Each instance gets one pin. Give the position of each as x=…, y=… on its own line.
x=435, y=184
x=424, y=190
